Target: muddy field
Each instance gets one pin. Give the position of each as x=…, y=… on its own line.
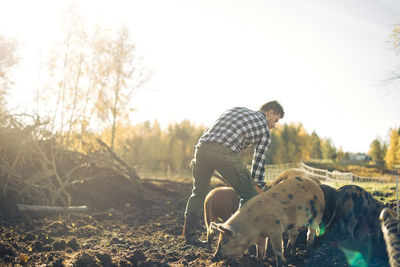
x=123, y=229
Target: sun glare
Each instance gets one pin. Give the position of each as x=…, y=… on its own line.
x=30, y=20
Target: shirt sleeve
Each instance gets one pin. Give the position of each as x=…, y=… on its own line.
x=258, y=163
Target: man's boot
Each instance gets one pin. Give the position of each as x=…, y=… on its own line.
x=189, y=230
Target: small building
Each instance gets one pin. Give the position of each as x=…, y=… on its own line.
x=359, y=157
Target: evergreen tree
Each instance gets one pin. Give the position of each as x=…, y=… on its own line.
x=316, y=152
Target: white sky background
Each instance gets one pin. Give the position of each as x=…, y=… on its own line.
x=323, y=60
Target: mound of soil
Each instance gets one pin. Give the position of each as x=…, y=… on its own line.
x=126, y=227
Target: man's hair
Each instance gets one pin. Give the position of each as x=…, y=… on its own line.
x=273, y=105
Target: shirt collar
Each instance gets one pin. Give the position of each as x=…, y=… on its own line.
x=265, y=118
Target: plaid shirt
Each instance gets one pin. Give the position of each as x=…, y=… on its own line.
x=239, y=128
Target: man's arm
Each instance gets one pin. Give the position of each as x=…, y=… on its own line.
x=258, y=163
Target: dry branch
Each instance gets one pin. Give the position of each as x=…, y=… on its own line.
x=131, y=172
x=40, y=169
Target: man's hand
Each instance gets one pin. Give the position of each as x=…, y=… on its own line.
x=259, y=190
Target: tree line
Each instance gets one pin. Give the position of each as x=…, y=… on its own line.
x=148, y=147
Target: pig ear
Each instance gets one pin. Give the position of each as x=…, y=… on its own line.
x=215, y=226
x=226, y=229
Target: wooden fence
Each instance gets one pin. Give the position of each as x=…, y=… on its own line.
x=273, y=170
x=337, y=176
x=334, y=176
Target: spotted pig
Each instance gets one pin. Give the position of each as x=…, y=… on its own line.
x=355, y=206
x=219, y=204
x=390, y=226
x=289, y=173
x=285, y=207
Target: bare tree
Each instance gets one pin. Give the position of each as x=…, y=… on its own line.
x=68, y=67
x=95, y=73
x=120, y=73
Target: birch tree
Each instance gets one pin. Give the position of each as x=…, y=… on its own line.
x=69, y=68
x=94, y=73
x=120, y=73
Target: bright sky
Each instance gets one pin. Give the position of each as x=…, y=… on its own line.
x=324, y=60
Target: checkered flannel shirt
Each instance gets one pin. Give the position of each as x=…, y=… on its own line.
x=239, y=128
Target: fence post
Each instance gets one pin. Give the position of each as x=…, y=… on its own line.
x=397, y=194
x=396, y=172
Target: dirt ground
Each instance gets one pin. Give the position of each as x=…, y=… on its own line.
x=123, y=229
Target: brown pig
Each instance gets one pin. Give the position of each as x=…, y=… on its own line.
x=285, y=207
x=219, y=204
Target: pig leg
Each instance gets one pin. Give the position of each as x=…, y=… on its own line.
x=277, y=247
x=207, y=218
x=293, y=233
x=310, y=239
x=210, y=231
x=262, y=245
x=378, y=232
x=350, y=227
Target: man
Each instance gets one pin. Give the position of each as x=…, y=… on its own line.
x=217, y=149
